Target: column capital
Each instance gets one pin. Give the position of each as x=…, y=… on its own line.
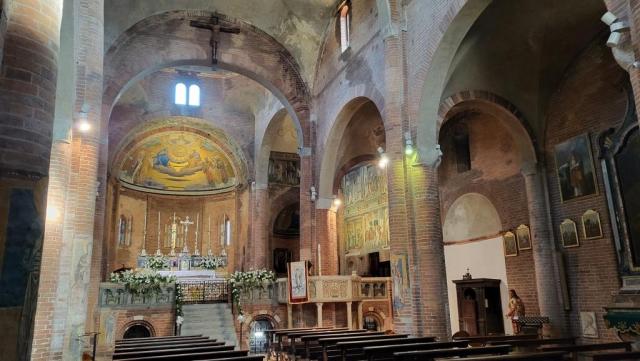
x=429, y=157
x=530, y=168
x=305, y=151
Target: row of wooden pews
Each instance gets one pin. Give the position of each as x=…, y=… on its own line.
x=355, y=345
x=179, y=348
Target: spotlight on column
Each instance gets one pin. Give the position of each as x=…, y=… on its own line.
x=337, y=202
x=84, y=125
x=52, y=213
x=384, y=159
x=408, y=144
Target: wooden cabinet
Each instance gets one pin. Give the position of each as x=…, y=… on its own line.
x=480, y=306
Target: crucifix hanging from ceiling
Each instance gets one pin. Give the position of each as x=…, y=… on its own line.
x=213, y=25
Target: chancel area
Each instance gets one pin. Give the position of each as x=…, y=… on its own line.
x=319, y=180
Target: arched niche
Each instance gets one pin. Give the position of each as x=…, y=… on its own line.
x=471, y=216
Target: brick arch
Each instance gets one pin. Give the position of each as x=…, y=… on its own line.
x=498, y=107
x=328, y=165
x=263, y=153
x=253, y=53
x=130, y=324
x=280, y=202
x=431, y=76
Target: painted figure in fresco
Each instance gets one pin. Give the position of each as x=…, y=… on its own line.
x=161, y=159
x=222, y=171
x=576, y=175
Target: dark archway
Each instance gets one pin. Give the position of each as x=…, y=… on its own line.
x=137, y=331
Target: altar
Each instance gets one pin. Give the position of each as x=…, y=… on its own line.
x=191, y=275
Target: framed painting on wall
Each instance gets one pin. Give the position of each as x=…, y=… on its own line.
x=510, y=244
x=591, y=227
x=574, y=168
x=298, y=283
x=569, y=234
x=524, y=237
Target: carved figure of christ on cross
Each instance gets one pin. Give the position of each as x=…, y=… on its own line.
x=214, y=26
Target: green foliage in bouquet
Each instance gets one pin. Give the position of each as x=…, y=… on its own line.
x=244, y=282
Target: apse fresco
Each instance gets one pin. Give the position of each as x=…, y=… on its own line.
x=177, y=162
x=366, y=214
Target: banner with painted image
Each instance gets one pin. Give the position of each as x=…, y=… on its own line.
x=366, y=212
x=298, y=282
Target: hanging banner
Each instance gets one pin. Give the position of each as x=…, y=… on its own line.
x=298, y=282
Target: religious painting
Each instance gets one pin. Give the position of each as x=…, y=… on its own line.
x=569, y=234
x=524, y=237
x=591, y=227
x=298, y=283
x=510, y=244
x=366, y=214
x=284, y=169
x=589, y=324
x=281, y=256
x=574, y=167
x=400, y=278
x=287, y=223
x=177, y=161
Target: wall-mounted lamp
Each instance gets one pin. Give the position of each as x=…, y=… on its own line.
x=384, y=159
x=52, y=213
x=337, y=202
x=83, y=122
x=408, y=144
x=314, y=194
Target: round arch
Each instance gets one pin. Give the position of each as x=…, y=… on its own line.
x=497, y=107
x=135, y=323
x=471, y=216
x=329, y=164
x=264, y=150
x=277, y=69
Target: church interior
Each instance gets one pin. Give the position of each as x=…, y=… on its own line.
x=319, y=180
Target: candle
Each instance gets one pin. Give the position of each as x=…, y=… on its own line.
x=209, y=235
x=158, y=246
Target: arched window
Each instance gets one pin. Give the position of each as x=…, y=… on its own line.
x=194, y=95
x=181, y=94
x=227, y=229
x=345, y=19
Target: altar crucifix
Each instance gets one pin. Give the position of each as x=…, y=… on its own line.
x=186, y=223
x=214, y=26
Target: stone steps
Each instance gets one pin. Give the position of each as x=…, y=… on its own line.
x=212, y=320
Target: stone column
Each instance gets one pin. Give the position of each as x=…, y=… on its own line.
x=289, y=315
x=30, y=32
x=307, y=209
x=349, y=316
x=430, y=269
x=544, y=250
x=319, y=307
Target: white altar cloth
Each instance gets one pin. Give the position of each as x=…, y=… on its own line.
x=191, y=275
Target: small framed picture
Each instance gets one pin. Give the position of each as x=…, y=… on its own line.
x=524, y=237
x=589, y=324
x=510, y=244
x=569, y=234
x=591, y=227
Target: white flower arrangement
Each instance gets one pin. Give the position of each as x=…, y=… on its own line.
x=242, y=282
x=142, y=282
x=212, y=262
x=158, y=262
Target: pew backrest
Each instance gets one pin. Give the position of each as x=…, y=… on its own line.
x=451, y=352
x=547, y=356
x=617, y=356
x=372, y=353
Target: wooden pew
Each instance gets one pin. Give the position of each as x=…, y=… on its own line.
x=308, y=339
x=240, y=358
x=431, y=355
x=298, y=335
x=379, y=353
x=156, y=339
x=547, y=356
x=213, y=355
x=483, y=340
x=280, y=335
x=353, y=348
x=330, y=343
x=574, y=350
x=532, y=345
x=159, y=347
x=171, y=351
x=171, y=342
x=617, y=356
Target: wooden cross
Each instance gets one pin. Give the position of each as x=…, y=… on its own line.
x=214, y=26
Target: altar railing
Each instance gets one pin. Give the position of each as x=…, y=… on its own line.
x=115, y=295
x=215, y=291
x=341, y=289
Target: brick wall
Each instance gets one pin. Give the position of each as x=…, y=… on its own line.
x=590, y=100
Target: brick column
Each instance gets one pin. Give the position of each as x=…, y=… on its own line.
x=260, y=226
x=30, y=32
x=327, y=238
x=430, y=270
x=544, y=251
x=634, y=22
